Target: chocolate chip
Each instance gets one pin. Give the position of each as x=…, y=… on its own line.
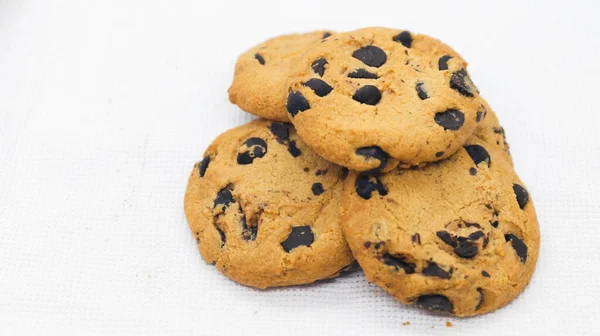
x=416, y=238
x=317, y=189
x=480, y=298
x=371, y=56
x=296, y=103
x=450, y=119
x=326, y=35
x=222, y=235
x=260, y=59
x=485, y=274
x=443, y=62
x=479, y=154
x=522, y=195
x=318, y=66
x=281, y=131
x=518, y=245
x=478, y=118
x=300, y=236
x=461, y=82
x=320, y=88
x=486, y=240
x=438, y=154
x=362, y=73
x=376, y=153
x=204, y=165
x=254, y=148
x=292, y=149
x=435, y=302
x=366, y=184
x=466, y=249
x=434, y=270
x=344, y=173
x=248, y=233
x=368, y=94
x=476, y=235
x=399, y=262
x=494, y=221
x=404, y=37
x=446, y=237
x=467, y=224
x=306, y=169
x=472, y=171
x=321, y=172
x=421, y=91
x=367, y=244
x=224, y=197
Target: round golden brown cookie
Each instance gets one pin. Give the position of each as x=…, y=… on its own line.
x=260, y=77
x=459, y=236
x=384, y=96
x=264, y=208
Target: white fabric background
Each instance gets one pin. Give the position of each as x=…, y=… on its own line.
x=106, y=105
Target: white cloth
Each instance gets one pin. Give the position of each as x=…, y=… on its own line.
x=105, y=106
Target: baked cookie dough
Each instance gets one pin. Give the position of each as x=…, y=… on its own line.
x=260, y=77
x=458, y=236
x=383, y=96
x=264, y=208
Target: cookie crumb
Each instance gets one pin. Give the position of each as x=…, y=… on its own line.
x=448, y=324
x=406, y=323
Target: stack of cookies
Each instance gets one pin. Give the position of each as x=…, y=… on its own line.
x=373, y=145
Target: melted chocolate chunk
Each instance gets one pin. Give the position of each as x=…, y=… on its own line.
x=320, y=88
x=485, y=274
x=296, y=103
x=421, y=91
x=371, y=56
x=318, y=66
x=293, y=150
x=362, y=73
x=260, y=59
x=224, y=197
x=368, y=94
x=450, y=119
x=317, y=189
x=466, y=249
x=434, y=270
x=443, y=62
x=518, y=245
x=479, y=154
x=399, y=262
x=522, y=195
x=447, y=238
x=461, y=82
x=366, y=184
x=404, y=37
x=222, y=235
x=299, y=236
x=254, y=148
x=281, y=131
x=203, y=165
x=476, y=235
x=435, y=302
x=376, y=153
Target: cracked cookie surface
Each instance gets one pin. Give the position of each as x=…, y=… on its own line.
x=260, y=77
x=459, y=236
x=264, y=208
x=384, y=96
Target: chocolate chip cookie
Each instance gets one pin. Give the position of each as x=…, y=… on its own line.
x=264, y=208
x=458, y=236
x=259, y=82
x=374, y=97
